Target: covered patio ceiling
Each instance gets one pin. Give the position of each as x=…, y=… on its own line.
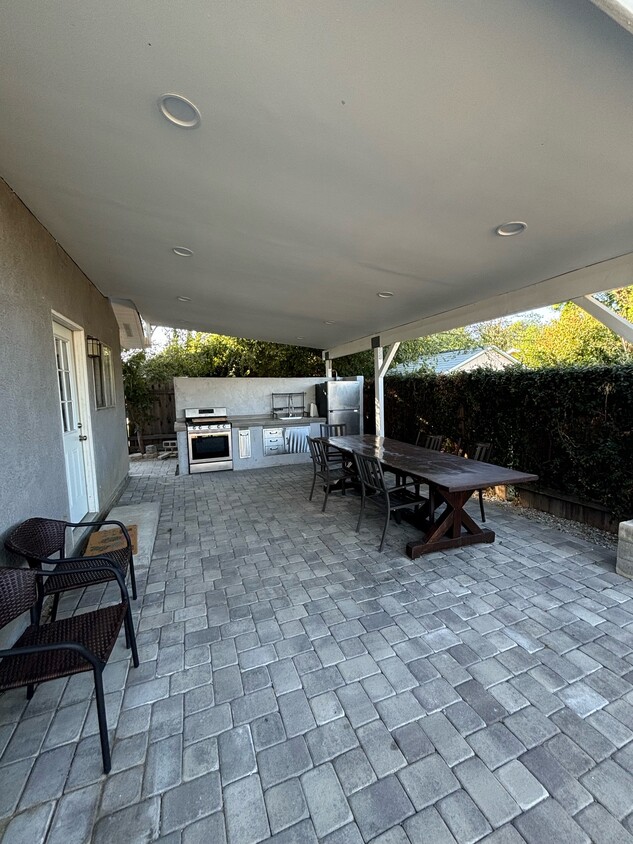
x=345, y=149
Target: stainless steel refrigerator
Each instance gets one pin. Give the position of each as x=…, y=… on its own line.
x=340, y=403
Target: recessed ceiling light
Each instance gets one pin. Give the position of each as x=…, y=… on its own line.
x=329, y=322
x=184, y=299
x=509, y=229
x=179, y=110
x=385, y=294
x=182, y=251
x=299, y=338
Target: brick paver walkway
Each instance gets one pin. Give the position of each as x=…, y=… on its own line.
x=298, y=686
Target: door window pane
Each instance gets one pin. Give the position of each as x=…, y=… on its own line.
x=63, y=379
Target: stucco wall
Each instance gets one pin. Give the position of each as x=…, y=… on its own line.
x=240, y=396
x=36, y=278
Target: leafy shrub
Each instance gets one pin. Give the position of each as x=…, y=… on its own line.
x=571, y=426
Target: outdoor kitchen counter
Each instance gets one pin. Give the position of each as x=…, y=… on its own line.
x=271, y=422
x=259, y=421
x=256, y=425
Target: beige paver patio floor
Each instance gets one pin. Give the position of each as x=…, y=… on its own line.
x=297, y=685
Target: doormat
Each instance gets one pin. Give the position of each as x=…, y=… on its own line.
x=102, y=541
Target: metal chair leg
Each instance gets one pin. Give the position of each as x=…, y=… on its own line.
x=362, y=507
x=132, y=576
x=103, y=722
x=30, y=691
x=384, y=530
x=36, y=610
x=55, y=606
x=313, y=485
x=481, y=505
x=130, y=636
x=327, y=492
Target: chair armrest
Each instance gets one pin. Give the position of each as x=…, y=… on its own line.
x=413, y=482
x=52, y=646
x=100, y=524
x=106, y=565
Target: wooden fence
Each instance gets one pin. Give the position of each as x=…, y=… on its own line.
x=163, y=416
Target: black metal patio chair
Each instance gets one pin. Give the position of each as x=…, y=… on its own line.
x=482, y=451
x=82, y=642
x=335, y=474
x=333, y=430
x=374, y=488
x=430, y=441
x=38, y=539
x=335, y=455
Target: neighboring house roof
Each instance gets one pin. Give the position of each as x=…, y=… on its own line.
x=488, y=356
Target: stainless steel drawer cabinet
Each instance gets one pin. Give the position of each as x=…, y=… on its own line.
x=290, y=440
x=274, y=441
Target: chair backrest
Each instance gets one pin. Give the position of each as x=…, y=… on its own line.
x=36, y=539
x=369, y=470
x=317, y=453
x=18, y=593
x=482, y=451
x=333, y=430
x=430, y=441
x=314, y=453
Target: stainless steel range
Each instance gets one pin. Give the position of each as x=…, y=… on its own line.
x=208, y=439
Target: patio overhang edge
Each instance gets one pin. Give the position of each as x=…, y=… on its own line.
x=604, y=275
x=620, y=10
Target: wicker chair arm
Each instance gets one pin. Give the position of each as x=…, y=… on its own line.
x=53, y=646
x=106, y=565
x=100, y=524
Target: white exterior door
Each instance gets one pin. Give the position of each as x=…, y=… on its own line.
x=71, y=423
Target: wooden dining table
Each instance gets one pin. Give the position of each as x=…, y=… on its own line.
x=451, y=481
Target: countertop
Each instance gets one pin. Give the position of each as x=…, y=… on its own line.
x=260, y=421
x=271, y=422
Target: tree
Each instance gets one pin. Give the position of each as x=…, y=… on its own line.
x=577, y=338
x=196, y=354
x=362, y=363
x=506, y=333
x=138, y=397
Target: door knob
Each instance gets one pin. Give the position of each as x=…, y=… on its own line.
x=82, y=437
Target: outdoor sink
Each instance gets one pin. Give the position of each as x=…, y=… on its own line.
x=288, y=418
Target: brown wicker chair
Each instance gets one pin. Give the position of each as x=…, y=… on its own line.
x=82, y=642
x=38, y=539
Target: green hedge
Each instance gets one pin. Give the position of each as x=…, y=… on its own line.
x=571, y=426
